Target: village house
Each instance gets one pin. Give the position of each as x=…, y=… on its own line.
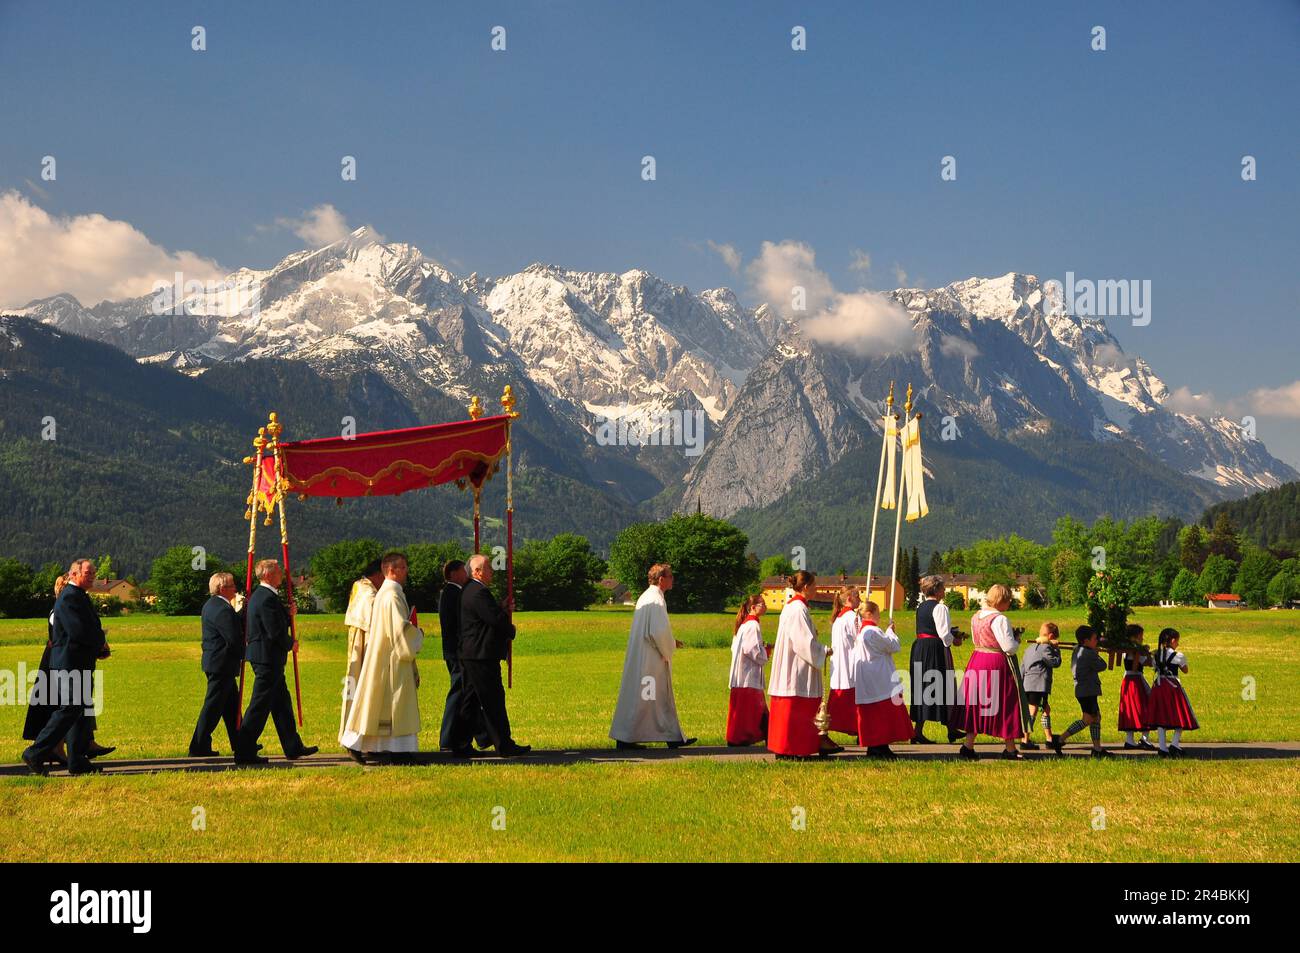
x=775, y=591
x=114, y=589
x=1224, y=600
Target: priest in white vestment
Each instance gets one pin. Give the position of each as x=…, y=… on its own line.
x=385, y=715
x=647, y=710
x=357, y=619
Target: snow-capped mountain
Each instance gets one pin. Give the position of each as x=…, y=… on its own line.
x=989, y=353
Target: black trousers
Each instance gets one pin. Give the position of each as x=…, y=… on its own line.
x=67, y=721
x=270, y=698
x=484, y=677
x=462, y=715
x=221, y=703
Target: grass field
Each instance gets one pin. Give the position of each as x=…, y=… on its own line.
x=1242, y=685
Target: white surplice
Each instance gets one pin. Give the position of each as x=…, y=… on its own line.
x=748, y=656
x=844, y=642
x=797, y=657
x=646, y=709
x=876, y=679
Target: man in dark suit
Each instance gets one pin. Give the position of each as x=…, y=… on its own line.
x=269, y=643
x=77, y=641
x=462, y=716
x=485, y=633
x=223, y=650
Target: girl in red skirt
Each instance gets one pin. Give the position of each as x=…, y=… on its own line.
x=882, y=712
x=843, y=706
x=1168, y=706
x=795, y=687
x=1133, y=693
x=747, y=710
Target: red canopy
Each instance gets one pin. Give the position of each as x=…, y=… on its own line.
x=389, y=462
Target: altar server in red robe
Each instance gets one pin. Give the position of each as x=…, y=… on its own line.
x=795, y=686
x=747, y=709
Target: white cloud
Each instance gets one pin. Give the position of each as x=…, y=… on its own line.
x=89, y=256
x=900, y=276
x=952, y=346
x=1281, y=401
x=729, y=254
x=1109, y=355
x=862, y=322
x=859, y=261
x=1182, y=400
x=318, y=227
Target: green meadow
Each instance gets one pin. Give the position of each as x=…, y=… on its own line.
x=1242, y=683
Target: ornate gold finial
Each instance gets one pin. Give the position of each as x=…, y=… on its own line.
x=890, y=399
x=258, y=442
x=475, y=408
x=508, y=401
x=274, y=427
x=908, y=405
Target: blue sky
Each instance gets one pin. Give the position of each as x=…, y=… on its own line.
x=1123, y=163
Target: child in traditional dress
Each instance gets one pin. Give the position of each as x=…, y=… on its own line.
x=843, y=706
x=881, y=709
x=1133, y=692
x=1168, y=706
x=1087, y=667
x=990, y=693
x=1041, y=659
x=747, y=709
x=795, y=684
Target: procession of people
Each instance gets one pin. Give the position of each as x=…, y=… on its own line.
x=866, y=698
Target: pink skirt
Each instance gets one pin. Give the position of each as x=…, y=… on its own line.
x=790, y=728
x=843, y=710
x=884, y=722
x=1133, y=692
x=990, y=702
x=746, y=716
x=1167, y=707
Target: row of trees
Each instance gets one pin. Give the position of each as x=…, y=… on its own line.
x=1157, y=559
x=27, y=592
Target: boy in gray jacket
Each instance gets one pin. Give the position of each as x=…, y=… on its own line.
x=1087, y=667
x=1041, y=658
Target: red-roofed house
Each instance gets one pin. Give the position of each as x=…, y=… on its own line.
x=1224, y=600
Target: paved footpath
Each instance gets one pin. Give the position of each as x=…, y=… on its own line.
x=1206, y=751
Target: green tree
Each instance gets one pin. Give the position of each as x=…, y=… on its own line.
x=1070, y=574
x=1186, y=588
x=1217, y=574
x=1223, y=539
x=1193, y=548
x=633, y=551
x=1258, y=567
x=16, y=589
x=43, y=587
x=935, y=568
x=424, y=562
x=1283, y=587
x=707, y=556
x=561, y=573
x=777, y=565
x=334, y=568
x=180, y=584
x=955, y=601
x=104, y=567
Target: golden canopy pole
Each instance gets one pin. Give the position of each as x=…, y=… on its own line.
x=275, y=428
x=475, y=411
x=508, y=405
x=250, y=514
x=898, y=517
x=886, y=422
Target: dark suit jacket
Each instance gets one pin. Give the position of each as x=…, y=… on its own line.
x=223, y=637
x=78, y=636
x=449, y=616
x=269, y=639
x=485, y=628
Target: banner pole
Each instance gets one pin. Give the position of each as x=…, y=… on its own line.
x=898, y=517
x=880, y=482
x=275, y=428
x=250, y=514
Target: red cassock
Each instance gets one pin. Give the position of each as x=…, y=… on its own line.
x=843, y=709
x=790, y=728
x=746, y=716
x=884, y=722
x=1133, y=692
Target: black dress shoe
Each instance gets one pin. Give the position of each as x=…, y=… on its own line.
x=1146, y=745
x=684, y=743
x=252, y=759
x=356, y=756
x=96, y=752
x=1006, y=755
x=305, y=752
x=484, y=745
x=513, y=750
x=210, y=753
x=832, y=748
x=629, y=746
x=1100, y=753
x=34, y=765
x=465, y=752
x=85, y=767
x=922, y=740
x=969, y=754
